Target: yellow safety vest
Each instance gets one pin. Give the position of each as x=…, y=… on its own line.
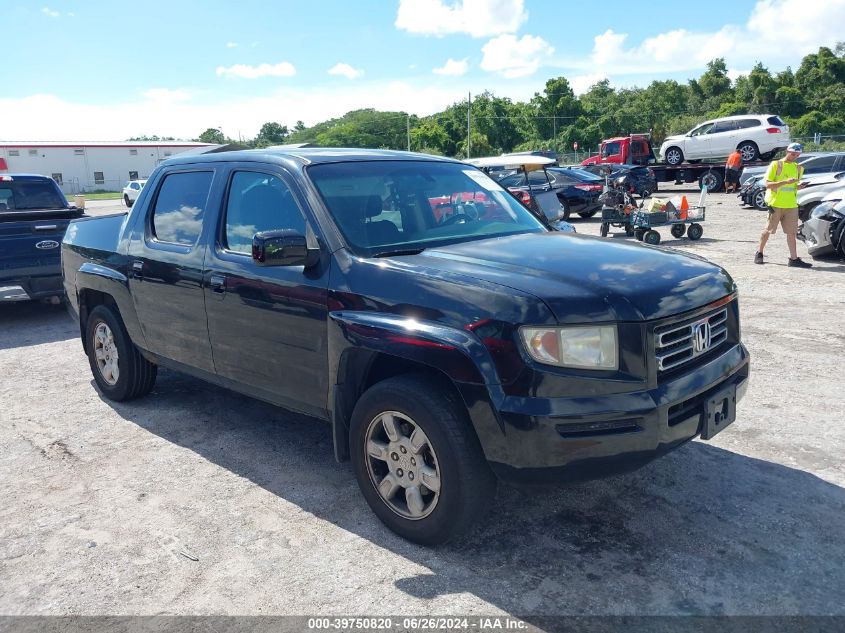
x=785, y=197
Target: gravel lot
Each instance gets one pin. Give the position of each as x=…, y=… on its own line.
x=195, y=500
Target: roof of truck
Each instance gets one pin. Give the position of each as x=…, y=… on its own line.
x=306, y=155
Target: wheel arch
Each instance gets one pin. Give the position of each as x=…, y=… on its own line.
x=455, y=358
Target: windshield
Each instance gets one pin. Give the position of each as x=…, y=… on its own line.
x=21, y=195
x=386, y=206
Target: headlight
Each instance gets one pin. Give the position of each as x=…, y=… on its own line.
x=582, y=347
x=823, y=209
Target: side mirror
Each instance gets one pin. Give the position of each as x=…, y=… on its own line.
x=283, y=248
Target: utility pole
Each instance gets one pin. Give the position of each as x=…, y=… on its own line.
x=409, y=132
x=469, y=109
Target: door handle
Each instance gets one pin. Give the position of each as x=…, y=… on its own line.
x=138, y=269
x=218, y=283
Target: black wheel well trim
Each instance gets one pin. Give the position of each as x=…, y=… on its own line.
x=364, y=362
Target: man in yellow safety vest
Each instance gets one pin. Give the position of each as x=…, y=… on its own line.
x=782, y=184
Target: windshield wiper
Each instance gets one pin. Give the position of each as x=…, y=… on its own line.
x=407, y=251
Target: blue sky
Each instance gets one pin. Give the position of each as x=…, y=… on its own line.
x=106, y=70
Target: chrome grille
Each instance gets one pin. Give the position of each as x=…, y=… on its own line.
x=679, y=343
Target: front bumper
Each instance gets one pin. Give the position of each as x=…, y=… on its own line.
x=569, y=439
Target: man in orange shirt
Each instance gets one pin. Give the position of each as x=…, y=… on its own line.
x=732, y=168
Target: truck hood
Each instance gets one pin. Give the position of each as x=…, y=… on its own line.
x=587, y=279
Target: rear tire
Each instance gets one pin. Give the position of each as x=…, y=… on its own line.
x=639, y=234
x=605, y=228
x=629, y=230
x=749, y=151
x=678, y=230
x=711, y=179
x=119, y=369
x=417, y=459
x=587, y=214
x=127, y=201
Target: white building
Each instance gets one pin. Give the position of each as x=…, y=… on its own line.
x=79, y=167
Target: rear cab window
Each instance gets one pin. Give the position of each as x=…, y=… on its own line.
x=29, y=194
x=179, y=208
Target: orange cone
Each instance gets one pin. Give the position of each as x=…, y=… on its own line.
x=684, y=207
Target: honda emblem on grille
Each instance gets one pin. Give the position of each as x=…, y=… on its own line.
x=701, y=337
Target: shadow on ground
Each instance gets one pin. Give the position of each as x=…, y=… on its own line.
x=34, y=323
x=701, y=531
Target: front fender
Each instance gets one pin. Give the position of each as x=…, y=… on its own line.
x=458, y=354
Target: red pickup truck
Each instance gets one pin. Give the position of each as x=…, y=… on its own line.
x=636, y=149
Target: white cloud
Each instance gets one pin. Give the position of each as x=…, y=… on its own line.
x=243, y=71
x=513, y=57
x=477, y=18
x=231, y=44
x=777, y=31
x=734, y=74
x=166, y=95
x=452, y=68
x=49, y=12
x=582, y=83
x=346, y=70
x=237, y=113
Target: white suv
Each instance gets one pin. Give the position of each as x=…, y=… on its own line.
x=131, y=191
x=756, y=136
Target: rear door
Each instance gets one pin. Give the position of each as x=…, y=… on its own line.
x=166, y=258
x=267, y=324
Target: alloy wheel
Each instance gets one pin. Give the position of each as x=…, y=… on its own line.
x=105, y=352
x=402, y=465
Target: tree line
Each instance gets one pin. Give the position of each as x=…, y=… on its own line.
x=811, y=100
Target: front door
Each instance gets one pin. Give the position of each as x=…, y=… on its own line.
x=166, y=256
x=697, y=144
x=267, y=324
x=722, y=138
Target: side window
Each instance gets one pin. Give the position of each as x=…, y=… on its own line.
x=538, y=177
x=179, y=208
x=723, y=126
x=746, y=123
x=704, y=129
x=611, y=149
x=258, y=202
x=820, y=165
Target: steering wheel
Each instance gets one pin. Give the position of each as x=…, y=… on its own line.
x=454, y=219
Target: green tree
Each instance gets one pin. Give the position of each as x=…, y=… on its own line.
x=212, y=135
x=271, y=134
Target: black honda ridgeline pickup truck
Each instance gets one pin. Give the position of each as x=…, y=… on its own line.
x=449, y=336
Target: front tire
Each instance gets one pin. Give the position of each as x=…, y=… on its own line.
x=605, y=229
x=651, y=237
x=417, y=459
x=759, y=200
x=119, y=369
x=587, y=214
x=127, y=201
x=674, y=156
x=695, y=231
